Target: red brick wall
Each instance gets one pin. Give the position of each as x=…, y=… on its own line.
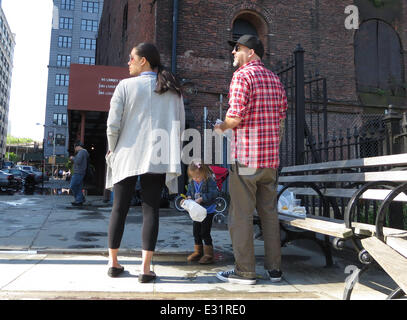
x=114, y=41
x=204, y=57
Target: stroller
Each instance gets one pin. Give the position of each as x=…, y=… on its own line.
x=222, y=201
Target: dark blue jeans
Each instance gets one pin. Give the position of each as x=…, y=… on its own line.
x=77, y=186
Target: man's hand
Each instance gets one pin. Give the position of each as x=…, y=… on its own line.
x=217, y=128
x=199, y=200
x=229, y=123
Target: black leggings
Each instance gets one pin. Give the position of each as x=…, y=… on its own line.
x=202, y=231
x=151, y=188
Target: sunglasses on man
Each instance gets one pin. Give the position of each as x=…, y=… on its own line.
x=236, y=48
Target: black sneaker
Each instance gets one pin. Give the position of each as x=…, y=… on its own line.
x=77, y=204
x=275, y=275
x=232, y=277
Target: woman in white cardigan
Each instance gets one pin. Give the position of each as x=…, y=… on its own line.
x=144, y=127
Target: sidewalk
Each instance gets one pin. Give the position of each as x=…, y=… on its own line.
x=51, y=250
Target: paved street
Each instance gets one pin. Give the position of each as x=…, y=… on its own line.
x=50, y=250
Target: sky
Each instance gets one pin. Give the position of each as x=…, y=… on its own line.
x=31, y=22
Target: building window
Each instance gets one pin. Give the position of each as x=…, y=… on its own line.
x=50, y=138
x=87, y=60
x=59, y=140
x=64, y=42
x=67, y=4
x=66, y=23
x=89, y=25
x=63, y=61
x=87, y=44
x=62, y=80
x=60, y=119
x=61, y=99
x=90, y=6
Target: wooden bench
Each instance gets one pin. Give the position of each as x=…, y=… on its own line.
x=322, y=185
x=389, y=249
x=391, y=257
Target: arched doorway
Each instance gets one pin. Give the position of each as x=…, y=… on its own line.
x=379, y=64
x=241, y=27
x=250, y=22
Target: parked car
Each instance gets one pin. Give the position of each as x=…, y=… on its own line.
x=24, y=167
x=7, y=182
x=27, y=178
x=7, y=164
x=43, y=176
x=17, y=176
x=39, y=176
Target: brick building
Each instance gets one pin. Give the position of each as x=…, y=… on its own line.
x=358, y=64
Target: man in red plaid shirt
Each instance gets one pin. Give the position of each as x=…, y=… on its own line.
x=256, y=114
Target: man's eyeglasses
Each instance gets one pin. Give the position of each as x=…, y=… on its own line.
x=236, y=48
x=131, y=58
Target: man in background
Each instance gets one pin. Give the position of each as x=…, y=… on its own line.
x=80, y=163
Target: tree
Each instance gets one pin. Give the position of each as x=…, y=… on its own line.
x=14, y=140
x=12, y=157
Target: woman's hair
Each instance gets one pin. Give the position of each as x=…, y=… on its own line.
x=199, y=167
x=165, y=79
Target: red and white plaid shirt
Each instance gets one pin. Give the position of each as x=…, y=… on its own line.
x=257, y=96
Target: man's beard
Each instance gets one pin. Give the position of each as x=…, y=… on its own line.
x=235, y=63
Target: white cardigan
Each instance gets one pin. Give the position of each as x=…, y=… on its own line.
x=144, y=132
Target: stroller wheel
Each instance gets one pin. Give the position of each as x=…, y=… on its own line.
x=221, y=205
x=177, y=203
x=219, y=218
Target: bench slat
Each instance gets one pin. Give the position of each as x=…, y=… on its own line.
x=395, y=176
x=331, y=228
x=398, y=244
x=370, y=230
x=372, y=194
x=398, y=159
x=392, y=262
x=337, y=228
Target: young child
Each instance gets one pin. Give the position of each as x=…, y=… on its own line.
x=203, y=189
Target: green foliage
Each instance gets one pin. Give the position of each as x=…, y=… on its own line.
x=69, y=165
x=12, y=157
x=377, y=3
x=14, y=140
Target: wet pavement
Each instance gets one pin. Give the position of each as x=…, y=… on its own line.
x=51, y=250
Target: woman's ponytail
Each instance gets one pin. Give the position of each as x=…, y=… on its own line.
x=165, y=79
